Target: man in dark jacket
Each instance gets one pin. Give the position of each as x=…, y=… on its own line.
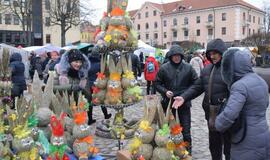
x=17, y=75
x=174, y=78
x=219, y=93
x=35, y=64
x=136, y=65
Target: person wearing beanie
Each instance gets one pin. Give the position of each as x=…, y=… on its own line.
x=173, y=78
x=54, y=59
x=72, y=73
x=216, y=92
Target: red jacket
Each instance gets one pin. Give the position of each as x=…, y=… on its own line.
x=150, y=76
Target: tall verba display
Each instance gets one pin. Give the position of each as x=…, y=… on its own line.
x=116, y=86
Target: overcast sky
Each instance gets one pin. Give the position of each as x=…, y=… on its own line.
x=135, y=4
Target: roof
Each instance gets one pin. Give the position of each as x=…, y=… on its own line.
x=191, y=5
x=132, y=13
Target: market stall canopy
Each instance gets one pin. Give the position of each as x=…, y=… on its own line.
x=145, y=49
x=83, y=47
x=42, y=49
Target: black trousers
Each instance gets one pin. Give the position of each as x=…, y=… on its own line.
x=16, y=91
x=90, y=111
x=217, y=141
x=150, y=88
x=184, y=119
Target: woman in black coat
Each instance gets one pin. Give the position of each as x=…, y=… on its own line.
x=17, y=75
x=94, y=58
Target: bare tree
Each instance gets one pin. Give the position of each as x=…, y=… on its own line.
x=68, y=13
x=22, y=9
x=267, y=17
x=258, y=39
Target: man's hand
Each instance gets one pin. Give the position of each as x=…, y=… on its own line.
x=178, y=102
x=169, y=94
x=211, y=124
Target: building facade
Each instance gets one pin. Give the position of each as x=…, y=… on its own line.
x=88, y=32
x=42, y=32
x=194, y=20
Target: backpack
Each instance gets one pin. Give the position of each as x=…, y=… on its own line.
x=150, y=67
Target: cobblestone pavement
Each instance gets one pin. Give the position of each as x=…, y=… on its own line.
x=109, y=147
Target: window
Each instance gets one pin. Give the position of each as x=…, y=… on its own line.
x=8, y=37
x=210, y=32
x=15, y=3
x=175, y=34
x=1, y=37
x=155, y=35
x=154, y=13
x=175, y=22
x=47, y=21
x=198, y=19
x=146, y=36
x=198, y=32
x=155, y=25
x=0, y=18
x=48, y=38
x=185, y=20
x=253, y=19
x=223, y=30
x=138, y=27
x=244, y=16
x=146, y=14
x=165, y=34
x=186, y=33
x=243, y=30
x=17, y=37
x=223, y=16
x=249, y=31
x=259, y=20
x=210, y=18
x=139, y=15
x=6, y=2
x=146, y=26
x=47, y=5
x=16, y=20
x=249, y=18
x=139, y=36
x=165, y=23
x=253, y=31
x=8, y=19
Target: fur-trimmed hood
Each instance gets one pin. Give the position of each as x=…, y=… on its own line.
x=64, y=66
x=235, y=65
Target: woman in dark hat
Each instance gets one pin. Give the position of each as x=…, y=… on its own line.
x=72, y=73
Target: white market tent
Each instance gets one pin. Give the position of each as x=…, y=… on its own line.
x=39, y=50
x=25, y=55
x=145, y=48
x=69, y=47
